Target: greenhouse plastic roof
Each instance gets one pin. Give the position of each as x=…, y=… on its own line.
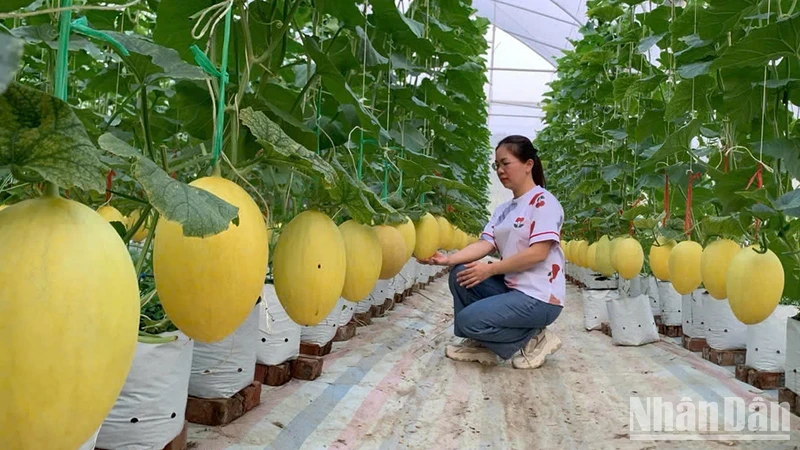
x=543, y=25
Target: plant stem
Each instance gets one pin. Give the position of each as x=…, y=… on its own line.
x=145, y=116
x=147, y=242
x=51, y=190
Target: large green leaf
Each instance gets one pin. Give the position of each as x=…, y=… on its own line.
x=42, y=139
x=678, y=141
x=151, y=61
x=281, y=150
x=787, y=150
x=174, y=25
x=200, y=213
x=768, y=43
x=13, y=5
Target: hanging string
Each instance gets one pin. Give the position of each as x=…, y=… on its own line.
x=359, y=167
x=666, y=199
x=687, y=218
x=64, y=20
x=221, y=74
x=759, y=169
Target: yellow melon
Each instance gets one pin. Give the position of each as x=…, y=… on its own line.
x=131, y=220
x=591, y=257
x=755, y=284
x=208, y=286
x=409, y=235
x=69, y=318
x=2, y=207
x=393, y=249
x=427, y=228
x=364, y=260
x=659, y=257
x=309, y=267
x=582, y=251
x=613, y=251
x=684, y=266
x=112, y=214
x=714, y=266
x=445, y=233
x=603, y=257
x=629, y=257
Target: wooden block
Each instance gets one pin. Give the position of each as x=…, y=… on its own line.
x=388, y=304
x=430, y=280
x=724, y=357
x=760, y=379
x=345, y=332
x=277, y=375
x=398, y=298
x=307, y=367
x=605, y=327
x=786, y=395
x=307, y=348
x=671, y=330
x=693, y=344
x=378, y=310
x=181, y=440
x=222, y=411
x=657, y=319
x=363, y=319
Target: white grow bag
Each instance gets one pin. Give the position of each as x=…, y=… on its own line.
x=723, y=329
x=150, y=410
x=671, y=304
x=323, y=332
x=652, y=292
x=598, y=281
x=766, y=341
x=381, y=292
x=634, y=287
x=792, y=364
x=348, y=309
x=222, y=369
x=631, y=321
x=692, y=313
x=278, y=335
x=595, y=311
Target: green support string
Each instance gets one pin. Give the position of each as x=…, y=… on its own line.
x=81, y=26
x=60, y=90
x=385, y=191
x=319, y=115
x=222, y=75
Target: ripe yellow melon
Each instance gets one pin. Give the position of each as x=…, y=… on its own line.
x=427, y=228
x=2, y=207
x=364, y=260
x=613, y=251
x=208, y=286
x=582, y=250
x=684, y=266
x=309, y=267
x=603, y=257
x=659, y=257
x=591, y=257
x=755, y=284
x=629, y=257
x=714, y=266
x=69, y=318
x=445, y=233
x=393, y=249
x=409, y=234
x=141, y=233
x=112, y=214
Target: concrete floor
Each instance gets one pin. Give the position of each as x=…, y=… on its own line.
x=391, y=387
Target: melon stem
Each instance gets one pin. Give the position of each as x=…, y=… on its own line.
x=216, y=171
x=51, y=189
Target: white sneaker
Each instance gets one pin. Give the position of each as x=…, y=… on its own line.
x=536, y=350
x=471, y=350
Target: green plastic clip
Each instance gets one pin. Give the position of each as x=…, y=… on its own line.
x=208, y=67
x=81, y=26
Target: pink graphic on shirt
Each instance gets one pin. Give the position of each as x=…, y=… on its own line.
x=554, y=300
x=554, y=272
x=518, y=222
x=511, y=281
x=533, y=225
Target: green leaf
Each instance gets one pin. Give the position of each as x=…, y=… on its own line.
x=611, y=172
x=200, y=213
x=281, y=150
x=759, y=46
x=787, y=150
x=174, y=25
x=789, y=203
x=10, y=55
x=42, y=138
x=676, y=142
x=151, y=61
x=726, y=226
x=648, y=42
x=13, y=5
x=393, y=21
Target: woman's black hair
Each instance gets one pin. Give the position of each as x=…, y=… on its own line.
x=522, y=148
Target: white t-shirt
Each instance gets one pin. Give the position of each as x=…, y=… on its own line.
x=536, y=216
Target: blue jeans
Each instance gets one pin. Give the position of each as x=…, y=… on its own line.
x=500, y=318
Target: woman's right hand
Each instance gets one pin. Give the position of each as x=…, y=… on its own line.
x=437, y=259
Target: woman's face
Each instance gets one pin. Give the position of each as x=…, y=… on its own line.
x=511, y=171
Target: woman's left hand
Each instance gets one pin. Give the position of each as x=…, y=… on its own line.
x=475, y=273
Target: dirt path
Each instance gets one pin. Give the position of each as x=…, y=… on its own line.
x=390, y=387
